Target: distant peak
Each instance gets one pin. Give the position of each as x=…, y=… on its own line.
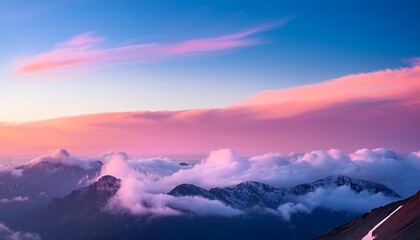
x=60, y=153
x=186, y=189
x=186, y=185
x=63, y=157
x=250, y=183
x=356, y=185
x=338, y=177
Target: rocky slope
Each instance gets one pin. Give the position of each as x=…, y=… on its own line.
x=403, y=224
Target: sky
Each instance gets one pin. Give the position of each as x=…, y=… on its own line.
x=154, y=77
x=286, y=43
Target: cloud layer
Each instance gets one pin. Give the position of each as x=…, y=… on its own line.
x=377, y=109
x=398, y=84
x=143, y=188
x=145, y=181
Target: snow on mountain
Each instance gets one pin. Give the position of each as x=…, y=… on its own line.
x=62, y=156
x=42, y=179
x=250, y=194
x=355, y=185
x=369, y=236
x=191, y=190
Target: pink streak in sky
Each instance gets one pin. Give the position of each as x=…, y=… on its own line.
x=386, y=84
x=84, y=39
x=383, y=110
x=83, y=50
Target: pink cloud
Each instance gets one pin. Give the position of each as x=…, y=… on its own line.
x=397, y=84
x=83, y=50
x=381, y=109
x=84, y=39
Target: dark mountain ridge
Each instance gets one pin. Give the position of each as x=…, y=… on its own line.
x=403, y=224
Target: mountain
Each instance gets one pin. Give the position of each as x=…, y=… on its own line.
x=42, y=179
x=191, y=190
x=245, y=195
x=59, y=179
x=80, y=215
x=250, y=194
x=78, y=210
x=402, y=223
x=59, y=173
x=17, y=197
x=10, y=188
x=84, y=201
x=355, y=185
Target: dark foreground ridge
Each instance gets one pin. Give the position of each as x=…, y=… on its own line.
x=403, y=224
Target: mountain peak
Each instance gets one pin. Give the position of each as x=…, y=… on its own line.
x=190, y=190
x=60, y=153
x=107, y=183
x=356, y=185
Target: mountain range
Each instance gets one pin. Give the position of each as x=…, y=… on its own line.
x=82, y=214
x=247, y=195
x=59, y=199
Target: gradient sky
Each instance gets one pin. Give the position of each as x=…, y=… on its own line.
x=65, y=58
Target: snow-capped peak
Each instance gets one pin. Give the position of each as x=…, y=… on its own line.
x=63, y=157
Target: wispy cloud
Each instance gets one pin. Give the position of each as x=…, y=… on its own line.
x=85, y=50
x=414, y=61
x=82, y=40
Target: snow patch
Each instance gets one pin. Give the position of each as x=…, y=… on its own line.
x=370, y=236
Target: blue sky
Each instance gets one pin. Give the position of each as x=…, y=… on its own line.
x=318, y=41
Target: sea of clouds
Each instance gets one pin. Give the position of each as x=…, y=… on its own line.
x=145, y=182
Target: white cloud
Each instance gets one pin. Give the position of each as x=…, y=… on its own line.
x=8, y=234
x=145, y=181
x=9, y=168
x=14, y=199
x=286, y=210
x=343, y=199
x=224, y=167
x=137, y=193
